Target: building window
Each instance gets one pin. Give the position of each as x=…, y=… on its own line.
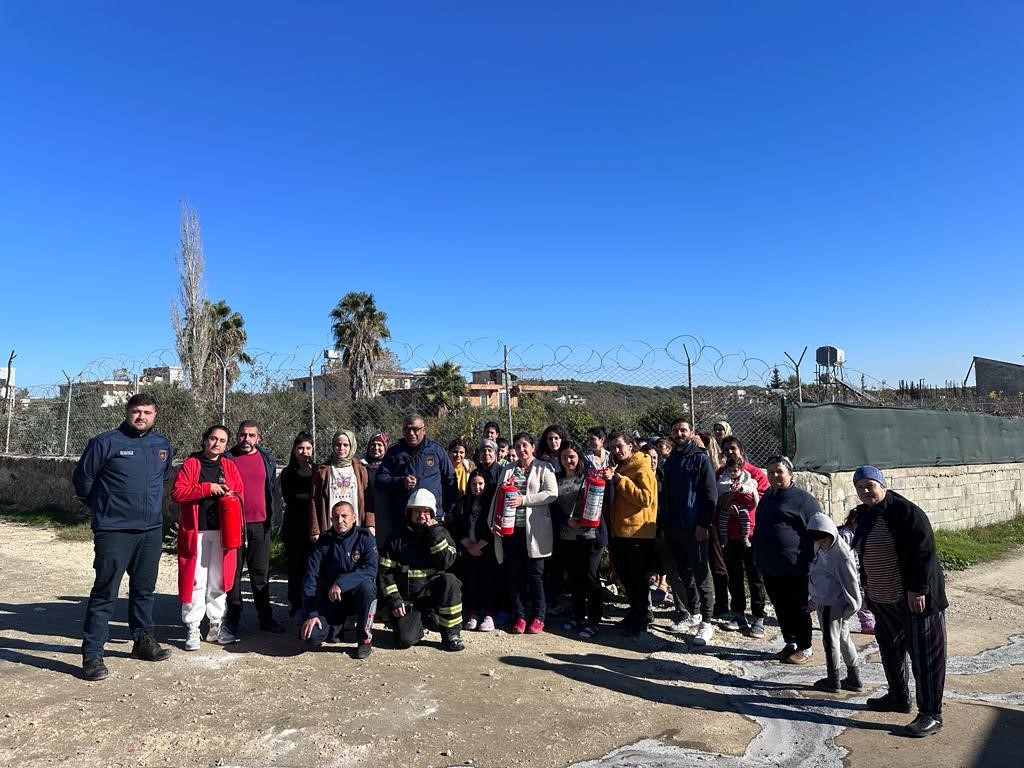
x=502, y=398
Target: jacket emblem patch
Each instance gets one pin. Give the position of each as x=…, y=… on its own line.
x=162, y=454
x=126, y=453
x=356, y=556
x=430, y=461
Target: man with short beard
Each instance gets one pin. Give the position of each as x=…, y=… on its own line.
x=121, y=477
x=691, y=494
x=259, y=472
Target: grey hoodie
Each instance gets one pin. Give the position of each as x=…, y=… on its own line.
x=834, y=580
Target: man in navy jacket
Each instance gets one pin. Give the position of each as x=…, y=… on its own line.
x=689, y=496
x=121, y=477
x=341, y=581
x=412, y=463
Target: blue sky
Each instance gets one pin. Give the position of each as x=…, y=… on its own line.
x=765, y=176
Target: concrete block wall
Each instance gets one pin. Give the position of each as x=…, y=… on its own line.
x=961, y=496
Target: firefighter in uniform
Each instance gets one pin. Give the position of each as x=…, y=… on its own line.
x=415, y=578
x=341, y=582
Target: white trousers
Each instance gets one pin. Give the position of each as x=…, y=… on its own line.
x=208, y=595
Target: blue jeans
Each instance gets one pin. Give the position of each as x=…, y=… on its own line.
x=136, y=553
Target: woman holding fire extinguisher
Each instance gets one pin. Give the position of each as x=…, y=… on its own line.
x=521, y=520
x=208, y=491
x=583, y=535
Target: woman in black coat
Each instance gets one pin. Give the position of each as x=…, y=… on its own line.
x=905, y=589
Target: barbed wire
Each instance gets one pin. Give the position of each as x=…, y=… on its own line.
x=633, y=385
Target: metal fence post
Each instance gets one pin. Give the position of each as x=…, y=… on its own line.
x=508, y=394
x=223, y=390
x=67, y=418
x=9, y=397
x=784, y=425
x=312, y=402
x=689, y=386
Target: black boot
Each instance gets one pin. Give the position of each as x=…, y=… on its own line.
x=829, y=684
x=94, y=669
x=148, y=649
x=888, y=703
x=452, y=641
x=852, y=680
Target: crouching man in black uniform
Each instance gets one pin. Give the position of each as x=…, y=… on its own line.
x=416, y=580
x=341, y=582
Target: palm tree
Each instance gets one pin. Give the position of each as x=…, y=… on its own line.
x=358, y=328
x=227, y=346
x=442, y=388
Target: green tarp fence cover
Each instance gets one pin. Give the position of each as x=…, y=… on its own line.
x=832, y=437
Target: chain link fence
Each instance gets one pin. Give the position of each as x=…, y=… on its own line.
x=636, y=387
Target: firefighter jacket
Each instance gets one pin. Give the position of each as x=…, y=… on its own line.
x=411, y=557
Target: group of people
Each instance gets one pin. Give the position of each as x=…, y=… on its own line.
x=492, y=533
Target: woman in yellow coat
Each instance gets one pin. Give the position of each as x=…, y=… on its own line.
x=631, y=526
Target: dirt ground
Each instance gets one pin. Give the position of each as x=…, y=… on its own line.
x=547, y=700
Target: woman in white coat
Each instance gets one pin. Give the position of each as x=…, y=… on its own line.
x=531, y=542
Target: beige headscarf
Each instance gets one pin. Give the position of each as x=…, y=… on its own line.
x=335, y=461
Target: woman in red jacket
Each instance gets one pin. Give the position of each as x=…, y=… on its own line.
x=206, y=569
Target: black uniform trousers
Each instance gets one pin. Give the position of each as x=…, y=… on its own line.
x=136, y=553
x=360, y=602
x=255, y=553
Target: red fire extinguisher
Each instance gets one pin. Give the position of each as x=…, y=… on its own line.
x=505, y=515
x=593, y=498
x=230, y=508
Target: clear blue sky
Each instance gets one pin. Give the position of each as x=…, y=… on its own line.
x=763, y=175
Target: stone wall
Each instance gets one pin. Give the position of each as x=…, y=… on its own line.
x=46, y=482
x=954, y=497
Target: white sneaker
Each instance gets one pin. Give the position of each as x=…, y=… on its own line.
x=704, y=633
x=192, y=642
x=487, y=625
x=685, y=624
x=471, y=624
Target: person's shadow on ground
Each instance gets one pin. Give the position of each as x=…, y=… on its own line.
x=632, y=677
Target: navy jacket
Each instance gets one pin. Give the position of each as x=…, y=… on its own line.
x=689, y=490
x=270, y=464
x=428, y=462
x=915, y=547
x=346, y=560
x=781, y=544
x=121, y=477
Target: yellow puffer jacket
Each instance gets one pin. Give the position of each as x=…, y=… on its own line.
x=635, y=504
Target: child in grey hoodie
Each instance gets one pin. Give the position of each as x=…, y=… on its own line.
x=834, y=586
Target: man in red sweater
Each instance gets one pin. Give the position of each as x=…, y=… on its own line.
x=258, y=469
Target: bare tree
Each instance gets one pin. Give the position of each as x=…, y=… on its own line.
x=190, y=316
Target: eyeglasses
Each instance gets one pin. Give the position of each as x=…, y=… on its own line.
x=413, y=429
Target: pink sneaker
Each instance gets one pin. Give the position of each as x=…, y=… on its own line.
x=536, y=627
x=519, y=626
